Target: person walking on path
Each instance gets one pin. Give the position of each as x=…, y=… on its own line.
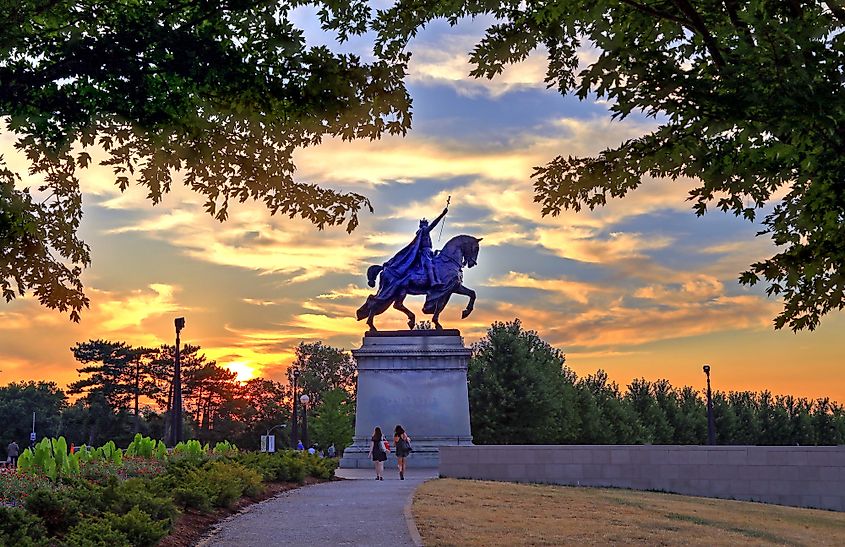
x=13, y=451
x=403, y=448
x=332, y=451
x=377, y=453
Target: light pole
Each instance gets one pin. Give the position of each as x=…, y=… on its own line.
x=176, y=423
x=304, y=400
x=293, y=438
x=711, y=425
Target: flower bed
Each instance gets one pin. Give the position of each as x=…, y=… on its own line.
x=112, y=497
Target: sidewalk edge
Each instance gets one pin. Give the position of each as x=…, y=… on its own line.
x=409, y=518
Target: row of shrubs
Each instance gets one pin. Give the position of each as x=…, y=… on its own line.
x=81, y=510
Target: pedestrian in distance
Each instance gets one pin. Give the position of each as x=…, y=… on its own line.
x=331, y=451
x=402, y=442
x=377, y=453
x=300, y=446
x=13, y=451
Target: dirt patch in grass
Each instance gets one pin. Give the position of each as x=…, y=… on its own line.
x=191, y=526
x=463, y=512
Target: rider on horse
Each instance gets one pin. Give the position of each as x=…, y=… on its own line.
x=418, y=253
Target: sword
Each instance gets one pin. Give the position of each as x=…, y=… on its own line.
x=448, y=201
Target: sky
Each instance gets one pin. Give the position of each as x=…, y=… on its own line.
x=639, y=288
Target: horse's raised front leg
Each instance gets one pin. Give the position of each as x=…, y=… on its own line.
x=471, y=304
x=399, y=304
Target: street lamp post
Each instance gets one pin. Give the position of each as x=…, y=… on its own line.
x=176, y=418
x=293, y=428
x=304, y=400
x=711, y=424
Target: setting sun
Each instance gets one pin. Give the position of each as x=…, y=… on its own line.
x=243, y=369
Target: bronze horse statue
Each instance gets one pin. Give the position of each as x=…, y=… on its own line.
x=394, y=285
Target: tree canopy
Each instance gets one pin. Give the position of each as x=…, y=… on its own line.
x=521, y=391
x=748, y=98
x=747, y=95
x=222, y=93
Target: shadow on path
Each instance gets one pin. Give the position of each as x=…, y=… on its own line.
x=358, y=511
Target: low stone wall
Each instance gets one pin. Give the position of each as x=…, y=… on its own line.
x=787, y=475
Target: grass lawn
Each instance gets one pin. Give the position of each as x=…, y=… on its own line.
x=463, y=512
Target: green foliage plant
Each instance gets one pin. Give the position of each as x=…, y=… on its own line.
x=21, y=528
x=57, y=510
x=141, y=446
x=161, y=451
x=139, y=527
x=191, y=450
x=96, y=532
x=224, y=448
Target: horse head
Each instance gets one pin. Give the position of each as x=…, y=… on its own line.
x=470, y=249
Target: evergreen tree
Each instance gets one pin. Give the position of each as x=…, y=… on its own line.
x=517, y=389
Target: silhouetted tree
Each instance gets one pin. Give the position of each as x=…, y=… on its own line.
x=322, y=368
x=224, y=92
x=748, y=100
x=19, y=400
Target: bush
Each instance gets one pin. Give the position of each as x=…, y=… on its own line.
x=321, y=468
x=96, y=532
x=20, y=528
x=58, y=512
x=139, y=528
x=248, y=480
x=140, y=494
x=192, y=498
x=282, y=466
x=223, y=482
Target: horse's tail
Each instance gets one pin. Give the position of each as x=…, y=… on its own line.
x=372, y=273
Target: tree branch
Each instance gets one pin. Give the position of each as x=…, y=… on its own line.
x=699, y=25
x=837, y=9
x=658, y=13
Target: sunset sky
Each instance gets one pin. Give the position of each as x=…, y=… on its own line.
x=639, y=288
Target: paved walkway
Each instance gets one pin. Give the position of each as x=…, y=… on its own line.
x=359, y=511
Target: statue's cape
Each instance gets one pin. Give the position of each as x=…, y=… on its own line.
x=403, y=262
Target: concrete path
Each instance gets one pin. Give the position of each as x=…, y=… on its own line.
x=357, y=511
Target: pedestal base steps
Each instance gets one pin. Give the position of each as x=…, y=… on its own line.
x=417, y=379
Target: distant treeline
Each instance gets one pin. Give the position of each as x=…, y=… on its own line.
x=522, y=392
x=123, y=390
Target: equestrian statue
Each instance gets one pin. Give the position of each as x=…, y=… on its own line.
x=417, y=270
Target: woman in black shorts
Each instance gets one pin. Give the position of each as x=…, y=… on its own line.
x=377, y=453
x=402, y=442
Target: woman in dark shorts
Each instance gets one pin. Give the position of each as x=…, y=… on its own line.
x=377, y=453
x=402, y=442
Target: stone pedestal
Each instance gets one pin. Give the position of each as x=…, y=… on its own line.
x=417, y=379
